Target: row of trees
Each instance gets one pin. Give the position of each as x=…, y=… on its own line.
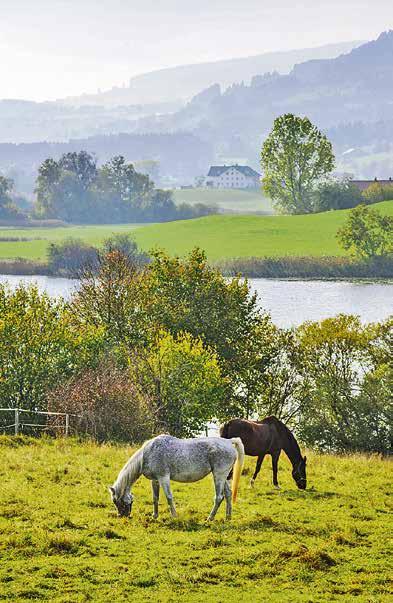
x=172, y=345
x=75, y=189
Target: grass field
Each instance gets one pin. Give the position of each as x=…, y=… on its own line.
x=62, y=541
x=246, y=201
x=221, y=236
x=36, y=247
x=259, y=236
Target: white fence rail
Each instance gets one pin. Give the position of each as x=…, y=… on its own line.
x=18, y=424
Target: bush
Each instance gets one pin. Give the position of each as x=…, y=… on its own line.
x=367, y=233
x=109, y=405
x=377, y=192
x=68, y=258
x=336, y=194
x=125, y=244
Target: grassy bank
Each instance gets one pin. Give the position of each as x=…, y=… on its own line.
x=241, y=200
x=252, y=236
x=62, y=541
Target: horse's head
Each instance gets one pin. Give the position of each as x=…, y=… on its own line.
x=299, y=474
x=123, y=503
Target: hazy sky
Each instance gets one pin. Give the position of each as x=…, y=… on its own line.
x=55, y=48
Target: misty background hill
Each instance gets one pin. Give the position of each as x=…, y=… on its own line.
x=350, y=97
x=181, y=83
x=352, y=93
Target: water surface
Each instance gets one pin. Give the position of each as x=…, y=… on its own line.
x=289, y=302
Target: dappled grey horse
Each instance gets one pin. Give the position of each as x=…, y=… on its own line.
x=166, y=458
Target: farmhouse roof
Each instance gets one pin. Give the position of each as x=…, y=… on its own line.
x=217, y=170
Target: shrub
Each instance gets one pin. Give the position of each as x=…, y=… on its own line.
x=336, y=194
x=377, y=192
x=125, y=244
x=68, y=258
x=366, y=233
x=109, y=405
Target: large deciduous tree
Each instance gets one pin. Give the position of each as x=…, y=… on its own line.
x=294, y=158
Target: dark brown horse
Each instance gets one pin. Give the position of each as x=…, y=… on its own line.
x=269, y=436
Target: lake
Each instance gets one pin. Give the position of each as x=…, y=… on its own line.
x=289, y=302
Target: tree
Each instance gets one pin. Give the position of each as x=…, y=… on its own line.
x=184, y=379
x=294, y=157
x=347, y=386
x=186, y=294
x=63, y=188
x=367, y=233
x=38, y=346
x=110, y=297
x=6, y=186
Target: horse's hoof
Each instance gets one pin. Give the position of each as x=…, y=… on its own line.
x=155, y=516
x=276, y=487
x=252, y=482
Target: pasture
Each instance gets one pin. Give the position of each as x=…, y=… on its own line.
x=61, y=539
x=35, y=248
x=233, y=200
x=221, y=236
x=252, y=236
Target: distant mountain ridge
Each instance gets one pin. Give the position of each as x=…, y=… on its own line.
x=354, y=87
x=183, y=82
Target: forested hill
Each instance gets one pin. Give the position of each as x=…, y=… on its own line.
x=356, y=87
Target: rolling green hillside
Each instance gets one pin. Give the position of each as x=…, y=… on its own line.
x=259, y=236
x=221, y=236
x=61, y=539
x=247, y=201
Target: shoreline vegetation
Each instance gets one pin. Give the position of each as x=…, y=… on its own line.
x=296, y=268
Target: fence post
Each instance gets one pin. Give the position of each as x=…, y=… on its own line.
x=16, y=421
x=67, y=425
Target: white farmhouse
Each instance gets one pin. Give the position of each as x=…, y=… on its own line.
x=232, y=176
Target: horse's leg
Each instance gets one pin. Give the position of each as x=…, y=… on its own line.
x=228, y=498
x=219, y=482
x=166, y=486
x=155, y=486
x=257, y=470
x=275, y=457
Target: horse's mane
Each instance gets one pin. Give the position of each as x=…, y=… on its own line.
x=283, y=429
x=131, y=471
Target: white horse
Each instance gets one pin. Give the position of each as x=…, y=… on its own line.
x=164, y=458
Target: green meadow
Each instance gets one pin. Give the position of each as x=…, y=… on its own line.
x=35, y=248
x=61, y=539
x=236, y=200
x=256, y=236
x=221, y=236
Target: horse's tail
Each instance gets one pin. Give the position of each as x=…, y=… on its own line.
x=224, y=430
x=237, y=468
